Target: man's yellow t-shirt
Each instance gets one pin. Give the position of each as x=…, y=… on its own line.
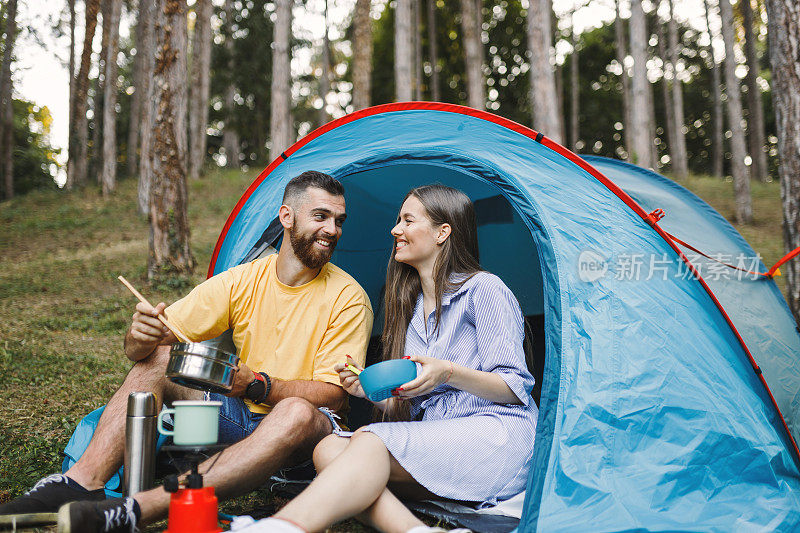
x=291, y=333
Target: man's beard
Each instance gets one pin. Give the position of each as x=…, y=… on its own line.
x=303, y=246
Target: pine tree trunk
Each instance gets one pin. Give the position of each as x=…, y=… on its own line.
x=6, y=102
x=558, y=73
x=741, y=178
x=651, y=105
x=98, y=111
x=280, y=112
x=109, y=174
x=325, y=79
x=137, y=96
x=473, y=51
x=574, y=93
x=543, y=92
x=784, y=36
x=403, y=50
x=640, y=138
x=230, y=137
x=672, y=140
x=147, y=12
x=717, y=145
x=78, y=137
x=755, y=118
x=169, y=226
x=619, y=34
x=417, y=50
x=362, y=55
x=680, y=163
x=71, y=64
x=436, y=92
x=200, y=86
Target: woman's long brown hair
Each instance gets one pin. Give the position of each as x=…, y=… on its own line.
x=459, y=256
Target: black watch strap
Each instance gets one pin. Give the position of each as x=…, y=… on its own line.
x=267, y=388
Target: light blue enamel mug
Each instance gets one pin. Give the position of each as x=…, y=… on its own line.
x=196, y=423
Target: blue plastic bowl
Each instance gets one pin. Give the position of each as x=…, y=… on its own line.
x=380, y=379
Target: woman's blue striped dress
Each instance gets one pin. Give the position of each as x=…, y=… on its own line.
x=461, y=446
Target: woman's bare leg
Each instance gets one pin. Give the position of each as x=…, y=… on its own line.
x=347, y=486
x=387, y=513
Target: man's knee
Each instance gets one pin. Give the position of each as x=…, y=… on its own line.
x=296, y=411
x=297, y=418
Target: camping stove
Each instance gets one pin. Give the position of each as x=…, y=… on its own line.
x=192, y=507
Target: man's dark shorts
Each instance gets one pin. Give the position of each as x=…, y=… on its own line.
x=236, y=421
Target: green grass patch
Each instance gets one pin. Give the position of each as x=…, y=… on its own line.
x=108, y=316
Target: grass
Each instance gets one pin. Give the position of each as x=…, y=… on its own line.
x=765, y=233
x=63, y=314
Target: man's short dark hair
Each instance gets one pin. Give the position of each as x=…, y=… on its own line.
x=311, y=178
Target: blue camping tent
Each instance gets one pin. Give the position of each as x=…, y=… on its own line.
x=654, y=411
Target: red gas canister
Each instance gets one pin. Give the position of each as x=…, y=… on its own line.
x=193, y=511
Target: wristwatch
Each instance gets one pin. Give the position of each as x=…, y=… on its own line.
x=258, y=389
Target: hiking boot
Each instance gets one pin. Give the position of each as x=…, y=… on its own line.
x=48, y=495
x=116, y=515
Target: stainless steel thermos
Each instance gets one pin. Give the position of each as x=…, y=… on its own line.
x=140, y=442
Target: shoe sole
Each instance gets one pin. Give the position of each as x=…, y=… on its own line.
x=14, y=521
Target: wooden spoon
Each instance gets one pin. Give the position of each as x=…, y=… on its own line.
x=161, y=317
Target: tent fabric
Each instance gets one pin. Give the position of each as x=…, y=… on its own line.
x=766, y=322
x=651, y=416
x=78, y=443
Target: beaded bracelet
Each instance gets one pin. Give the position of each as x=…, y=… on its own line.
x=450, y=375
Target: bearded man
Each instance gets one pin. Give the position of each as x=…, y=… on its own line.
x=293, y=315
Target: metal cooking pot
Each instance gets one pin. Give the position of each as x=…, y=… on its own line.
x=199, y=366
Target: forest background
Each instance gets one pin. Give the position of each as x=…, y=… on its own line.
x=241, y=41
x=697, y=80
x=675, y=86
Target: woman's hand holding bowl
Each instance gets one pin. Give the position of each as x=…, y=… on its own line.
x=349, y=379
x=434, y=372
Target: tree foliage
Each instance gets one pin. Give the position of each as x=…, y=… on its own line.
x=251, y=75
x=35, y=162
x=506, y=70
x=600, y=91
